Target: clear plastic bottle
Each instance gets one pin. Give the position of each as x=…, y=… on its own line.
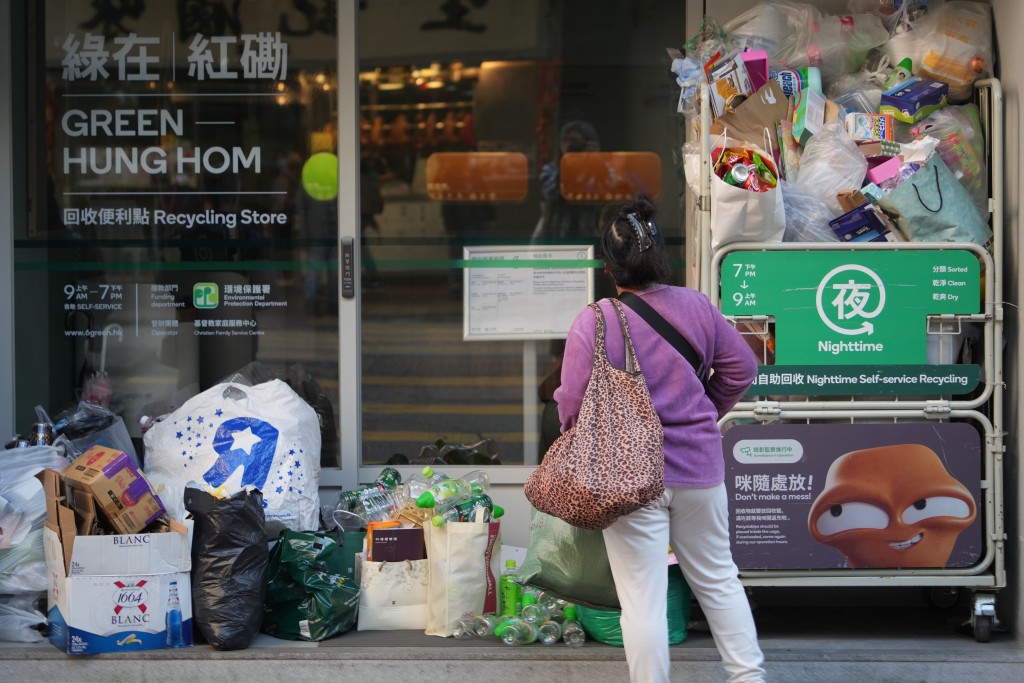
x=516, y=632
x=487, y=624
x=376, y=506
x=572, y=630
x=466, y=627
x=466, y=510
x=173, y=623
x=550, y=632
x=389, y=479
x=418, y=484
x=534, y=611
x=474, y=483
x=509, y=590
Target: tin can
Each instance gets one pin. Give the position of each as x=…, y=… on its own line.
x=41, y=434
x=738, y=175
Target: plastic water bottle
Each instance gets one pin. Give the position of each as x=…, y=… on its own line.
x=534, y=611
x=572, y=630
x=474, y=483
x=418, y=484
x=466, y=510
x=516, y=632
x=376, y=506
x=175, y=634
x=550, y=632
x=509, y=590
x=388, y=480
x=487, y=624
x=466, y=627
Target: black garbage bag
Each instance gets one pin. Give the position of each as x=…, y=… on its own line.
x=230, y=556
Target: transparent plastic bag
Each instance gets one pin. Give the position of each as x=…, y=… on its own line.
x=807, y=215
x=800, y=35
x=20, y=621
x=831, y=163
x=962, y=146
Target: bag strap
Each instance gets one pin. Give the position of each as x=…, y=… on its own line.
x=665, y=329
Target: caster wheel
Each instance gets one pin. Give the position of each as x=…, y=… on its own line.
x=983, y=628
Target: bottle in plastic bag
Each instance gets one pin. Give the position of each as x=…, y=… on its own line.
x=466, y=511
x=572, y=630
x=476, y=482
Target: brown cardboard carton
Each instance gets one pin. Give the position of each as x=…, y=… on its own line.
x=121, y=492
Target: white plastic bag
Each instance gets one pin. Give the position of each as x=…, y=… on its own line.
x=232, y=436
x=20, y=620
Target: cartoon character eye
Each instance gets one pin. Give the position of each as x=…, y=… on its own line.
x=849, y=516
x=937, y=506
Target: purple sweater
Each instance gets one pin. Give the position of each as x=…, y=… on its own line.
x=693, y=441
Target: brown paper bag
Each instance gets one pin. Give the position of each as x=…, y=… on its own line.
x=755, y=117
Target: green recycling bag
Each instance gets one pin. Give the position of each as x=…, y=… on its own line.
x=310, y=593
x=604, y=627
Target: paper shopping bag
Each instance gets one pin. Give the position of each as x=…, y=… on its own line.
x=740, y=214
x=464, y=560
x=393, y=596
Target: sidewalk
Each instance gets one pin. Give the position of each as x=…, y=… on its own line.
x=863, y=643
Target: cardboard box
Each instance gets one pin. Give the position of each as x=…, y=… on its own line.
x=863, y=224
x=119, y=489
x=914, y=99
x=111, y=593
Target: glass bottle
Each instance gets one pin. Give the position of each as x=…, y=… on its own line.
x=173, y=623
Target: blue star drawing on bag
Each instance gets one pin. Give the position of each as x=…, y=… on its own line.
x=248, y=443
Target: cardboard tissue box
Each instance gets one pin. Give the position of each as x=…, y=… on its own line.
x=114, y=593
x=914, y=99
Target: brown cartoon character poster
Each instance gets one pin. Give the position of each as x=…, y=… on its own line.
x=857, y=496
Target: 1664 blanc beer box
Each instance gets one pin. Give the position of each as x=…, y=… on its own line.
x=115, y=593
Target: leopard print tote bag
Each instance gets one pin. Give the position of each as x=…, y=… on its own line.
x=612, y=461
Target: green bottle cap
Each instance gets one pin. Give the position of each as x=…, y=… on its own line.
x=428, y=471
x=510, y=564
x=497, y=512
x=500, y=628
x=569, y=611
x=426, y=500
x=529, y=599
x=437, y=520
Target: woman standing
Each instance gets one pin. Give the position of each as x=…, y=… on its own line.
x=692, y=514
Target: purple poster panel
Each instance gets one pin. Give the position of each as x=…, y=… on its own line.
x=855, y=496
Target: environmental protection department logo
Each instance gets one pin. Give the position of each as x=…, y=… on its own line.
x=205, y=295
x=848, y=297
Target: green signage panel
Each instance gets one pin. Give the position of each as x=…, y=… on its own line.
x=856, y=380
x=851, y=307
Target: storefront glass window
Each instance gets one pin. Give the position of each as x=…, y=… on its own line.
x=490, y=130
x=182, y=221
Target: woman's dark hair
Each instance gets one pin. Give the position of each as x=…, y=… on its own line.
x=634, y=246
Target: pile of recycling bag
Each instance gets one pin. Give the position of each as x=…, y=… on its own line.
x=842, y=128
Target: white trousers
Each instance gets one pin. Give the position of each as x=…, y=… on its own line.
x=696, y=524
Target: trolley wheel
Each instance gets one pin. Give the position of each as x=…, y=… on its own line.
x=983, y=628
x=942, y=597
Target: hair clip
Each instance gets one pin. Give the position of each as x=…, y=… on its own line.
x=643, y=240
x=646, y=232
